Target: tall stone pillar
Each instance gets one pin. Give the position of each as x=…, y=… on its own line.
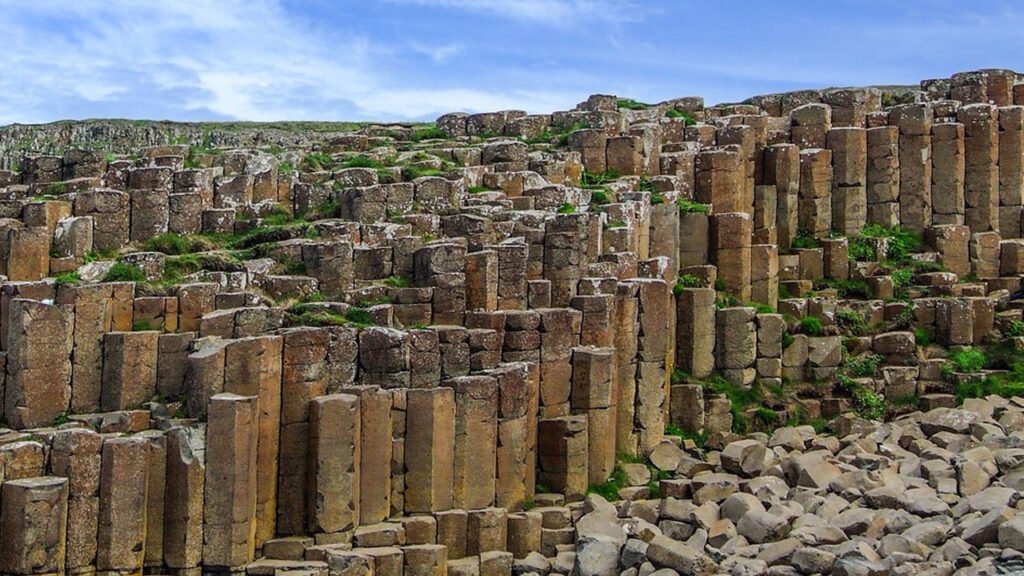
x=229, y=508
x=695, y=331
x=75, y=455
x=429, y=449
x=849, y=179
x=124, y=479
x=334, y=452
x=1011, y=170
x=981, y=178
x=730, y=250
x=38, y=363
x=515, y=451
x=34, y=526
x=562, y=453
x=303, y=378
x=476, y=420
x=782, y=169
x=183, y=510
x=816, y=191
x=593, y=395
x=948, y=173
x=915, y=125
x=883, y=176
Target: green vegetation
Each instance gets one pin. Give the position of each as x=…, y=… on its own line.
x=787, y=340
x=1015, y=328
x=630, y=104
x=810, y=325
x=689, y=206
x=317, y=161
x=175, y=244
x=900, y=243
x=598, y=179
x=741, y=398
x=142, y=326
x=967, y=360
x=363, y=161
x=686, y=281
x=699, y=439
x=866, y=402
x=599, y=197
x=673, y=113
x=851, y=322
x=122, y=272
x=414, y=172
x=845, y=288
x=859, y=249
x=56, y=188
x=609, y=490
x=1005, y=386
x=67, y=278
x=864, y=366
x=567, y=208
x=921, y=337
x=805, y=239
x=314, y=314
x=429, y=133
x=398, y=282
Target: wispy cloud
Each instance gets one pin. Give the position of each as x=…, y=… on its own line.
x=239, y=59
x=439, y=54
x=550, y=12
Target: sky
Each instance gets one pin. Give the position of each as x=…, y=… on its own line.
x=400, y=60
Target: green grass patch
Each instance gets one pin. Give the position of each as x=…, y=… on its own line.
x=851, y=322
x=864, y=366
x=630, y=104
x=805, y=240
x=686, y=281
x=398, y=282
x=429, y=133
x=866, y=403
x=122, y=272
x=810, y=325
x=1015, y=328
x=70, y=277
x=609, y=490
x=566, y=208
x=142, y=326
x=600, y=197
x=363, y=161
x=845, y=288
x=691, y=207
x=967, y=360
x=598, y=179
x=176, y=244
x=317, y=161
x=673, y=113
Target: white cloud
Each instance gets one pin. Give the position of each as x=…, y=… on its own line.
x=439, y=54
x=551, y=12
x=240, y=59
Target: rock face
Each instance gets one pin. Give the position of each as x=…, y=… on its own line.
x=608, y=340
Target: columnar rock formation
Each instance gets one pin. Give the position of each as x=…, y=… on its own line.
x=417, y=349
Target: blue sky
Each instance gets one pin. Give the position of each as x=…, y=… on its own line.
x=414, y=59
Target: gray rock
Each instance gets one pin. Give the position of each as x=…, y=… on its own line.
x=668, y=553
x=760, y=527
